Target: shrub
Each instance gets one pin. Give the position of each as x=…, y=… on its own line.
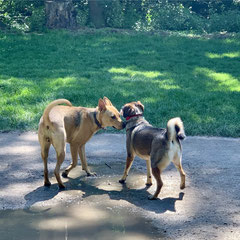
x=114, y=14
x=171, y=17
x=227, y=21
x=37, y=21
x=82, y=11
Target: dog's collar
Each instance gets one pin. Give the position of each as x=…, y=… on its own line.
x=96, y=121
x=135, y=122
x=137, y=115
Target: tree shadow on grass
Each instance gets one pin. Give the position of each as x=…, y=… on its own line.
x=172, y=76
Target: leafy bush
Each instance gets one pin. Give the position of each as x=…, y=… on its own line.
x=37, y=20
x=122, y=13
x=166, y=16
x=82, y=10
x=22, y=14
x=114, y=14
x=82, y=17
x=227, y=21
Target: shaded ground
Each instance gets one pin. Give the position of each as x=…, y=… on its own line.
x=101, y=208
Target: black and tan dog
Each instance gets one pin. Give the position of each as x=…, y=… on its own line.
x=155, y=145
x=75, y=125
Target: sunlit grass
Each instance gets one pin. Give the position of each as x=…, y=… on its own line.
x=223, y=55
x=194, y=78
x=56, y=82
x=132, y=73
x=224, y=81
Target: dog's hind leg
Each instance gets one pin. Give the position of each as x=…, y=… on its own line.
x=149, y=177
x=82, y=155
x=44, y=153
x=178, y=164
x=157, y=174
x=59, y=143
x=129, y=162
x=74, y=153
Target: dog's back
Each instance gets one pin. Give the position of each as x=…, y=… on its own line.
x=158, y=144
x=142, y=139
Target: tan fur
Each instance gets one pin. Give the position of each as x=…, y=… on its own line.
x=158, y=147
x=75, y=125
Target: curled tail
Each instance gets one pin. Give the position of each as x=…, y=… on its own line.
x=47, y=110
x=175, y=129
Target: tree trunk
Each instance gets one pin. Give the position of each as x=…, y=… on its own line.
x=60, y=14
x=96, y=13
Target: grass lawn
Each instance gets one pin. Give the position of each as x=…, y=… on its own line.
x=195, y=78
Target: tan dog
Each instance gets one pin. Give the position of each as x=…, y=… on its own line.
x=155, y=145
x=75, y=125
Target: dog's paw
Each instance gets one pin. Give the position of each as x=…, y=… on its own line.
x=91, y=174
x=148, y=184
x=61, y=187
x=122, y=181
x=64, y=174
x=47, y=184
x=151, y=197
x=182, y=186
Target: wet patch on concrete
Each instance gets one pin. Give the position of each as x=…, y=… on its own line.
x=78, y=221
x=92, y=208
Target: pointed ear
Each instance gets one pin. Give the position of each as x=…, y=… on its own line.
x=101, y=105
x=140, y=105
x=107, y=101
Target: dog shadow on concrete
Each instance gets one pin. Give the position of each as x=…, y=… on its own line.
x=90, y=189
x=137, y=197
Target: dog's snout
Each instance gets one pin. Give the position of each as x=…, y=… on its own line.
x=123, y=124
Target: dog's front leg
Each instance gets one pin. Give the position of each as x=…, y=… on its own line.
x=82, y=155
x=129, y=162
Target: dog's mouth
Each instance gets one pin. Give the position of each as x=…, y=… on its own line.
x=122, y=127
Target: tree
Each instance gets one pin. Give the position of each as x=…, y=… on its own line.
x=60, y=14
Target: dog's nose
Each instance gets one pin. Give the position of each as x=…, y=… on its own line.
x=123, y=124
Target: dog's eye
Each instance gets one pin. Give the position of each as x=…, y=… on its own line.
x=113, y=117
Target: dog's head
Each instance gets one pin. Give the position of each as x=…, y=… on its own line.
x=109, y=115
x=132, y=109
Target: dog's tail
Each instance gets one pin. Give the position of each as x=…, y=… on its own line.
x=47, y=110
x=175, y=129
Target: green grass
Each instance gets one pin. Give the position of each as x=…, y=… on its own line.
x=195, y=78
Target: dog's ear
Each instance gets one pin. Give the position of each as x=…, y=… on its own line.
x=107, y=101
x=127, y=111
x=121, y=111
x=139, y=104
x=101, y=105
